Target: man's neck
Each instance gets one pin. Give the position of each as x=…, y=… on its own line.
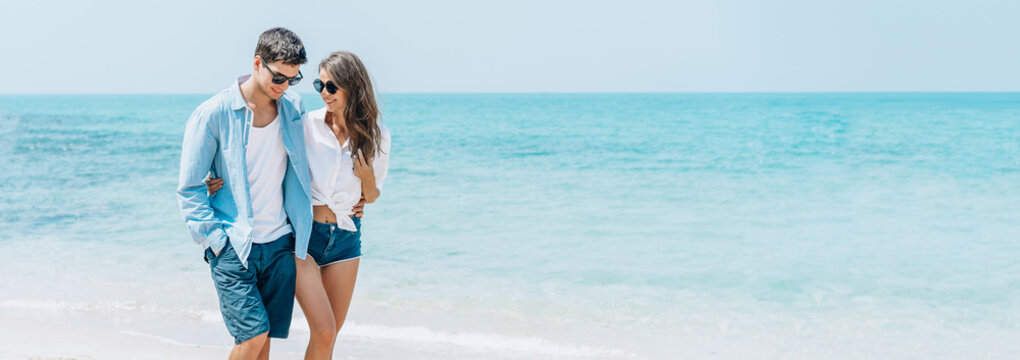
x=255, y=99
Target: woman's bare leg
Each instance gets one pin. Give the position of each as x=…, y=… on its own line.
x=316, y=305
x=338, y=279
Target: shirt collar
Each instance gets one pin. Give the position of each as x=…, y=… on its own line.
x=237, y=101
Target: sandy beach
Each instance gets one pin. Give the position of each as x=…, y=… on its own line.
x=71, y=334
x=28, y=338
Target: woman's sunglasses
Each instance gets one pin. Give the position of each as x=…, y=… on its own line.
x=280, y=79
x=329, y=85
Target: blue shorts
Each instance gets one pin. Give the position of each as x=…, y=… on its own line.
x=260, y=298
x=330, y=244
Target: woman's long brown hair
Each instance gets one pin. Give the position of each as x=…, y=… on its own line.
x=361, y=114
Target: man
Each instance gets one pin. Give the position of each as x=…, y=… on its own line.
x=250, y=135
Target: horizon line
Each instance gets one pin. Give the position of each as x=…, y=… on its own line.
x=572, y=92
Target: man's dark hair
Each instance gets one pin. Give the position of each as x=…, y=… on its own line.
x=281, y=44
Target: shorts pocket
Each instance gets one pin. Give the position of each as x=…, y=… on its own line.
x=210, y=255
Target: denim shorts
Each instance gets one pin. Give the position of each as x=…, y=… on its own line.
x=259, y=298
x=330, y=244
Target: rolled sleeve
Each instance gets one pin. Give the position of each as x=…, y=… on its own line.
x=197, y=154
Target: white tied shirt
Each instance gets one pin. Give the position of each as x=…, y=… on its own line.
x=332, y=168
x=266, y=159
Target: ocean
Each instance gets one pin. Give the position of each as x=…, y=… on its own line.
x=588, y=226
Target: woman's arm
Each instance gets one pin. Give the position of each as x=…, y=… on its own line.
x=364, y=171
x=372, y=174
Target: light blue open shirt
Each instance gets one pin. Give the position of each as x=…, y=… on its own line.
x=215, y=141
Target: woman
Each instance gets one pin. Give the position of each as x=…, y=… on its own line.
x=348, y=155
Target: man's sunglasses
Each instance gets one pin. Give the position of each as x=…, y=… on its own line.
x=329, y=85
x=280, y=79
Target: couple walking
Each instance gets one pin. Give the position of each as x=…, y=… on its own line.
x=275, y=193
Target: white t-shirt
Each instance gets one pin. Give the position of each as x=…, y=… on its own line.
x=332, y=168
x=267, y=164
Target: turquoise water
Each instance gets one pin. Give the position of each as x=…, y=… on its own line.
x=595, y=225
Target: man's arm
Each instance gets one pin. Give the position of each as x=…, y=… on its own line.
x=359, y=208
x=197, y=154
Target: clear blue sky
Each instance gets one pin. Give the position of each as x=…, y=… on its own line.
x=189, y=46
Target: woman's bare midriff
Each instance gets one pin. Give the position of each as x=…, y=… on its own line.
x=323, y=214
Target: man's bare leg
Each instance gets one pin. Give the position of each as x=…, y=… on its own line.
x=264, y=354
x=250, y=349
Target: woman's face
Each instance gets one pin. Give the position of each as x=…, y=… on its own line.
x=335, y=103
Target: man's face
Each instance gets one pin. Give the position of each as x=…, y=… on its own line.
x=264, y=77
